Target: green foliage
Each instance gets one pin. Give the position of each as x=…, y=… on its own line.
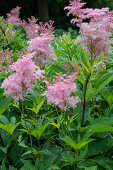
x=36, y=135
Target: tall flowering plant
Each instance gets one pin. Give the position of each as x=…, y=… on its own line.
x=95, y=34
x=56, y=134
x=96, y=27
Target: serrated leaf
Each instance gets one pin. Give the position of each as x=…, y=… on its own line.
x=36, y=110
x=61, y=44
x=9, y=127
x=101, y=128
x=105, y=162
x=61, y=53
x=3, y=119
x=4, y=104
x=74, y=145
x=100, y=57
x=84, y=57
x=102, y=120
x=56, y=124
x=99, y=85
x=108, y=96
x=3, y=167
x=39, y=132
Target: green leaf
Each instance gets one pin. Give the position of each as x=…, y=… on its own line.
x=3, y=119
x=56, y=124
x=84, y=57
x=100, y=57
x=61, y=53
x=108, y=96
x=9, y=127
x=4, y=104
x=102, y=145
x=12, y=168
x=3, y=167
x=104, y=162
x=80, y=78
x=86, y=68
x=88, y=168
x=36, y=110
x=3, y=149
x=28, y=165
x=74, y=145
x=99, y=84
x=102, y=120
x=101, y=128
x=39, y=132
x=61, y=44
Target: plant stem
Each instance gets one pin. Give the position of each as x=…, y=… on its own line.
x=84, y=103
x=29, y=135
x=22, y=107
x=5, y=36
x=39, y=146
x=69, y=120
x=76, y=155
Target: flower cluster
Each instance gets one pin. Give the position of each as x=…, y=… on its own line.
x=59, y=92
x=41, y=36
x=13, y=16
x=26, y=73
x=95, y=35
x=44, y=52
x=94, y=41
x=76, y=9
x=47, y=28
x=31, y=27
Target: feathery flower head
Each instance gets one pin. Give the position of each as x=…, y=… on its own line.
x=95, y=35
x=31, y=27
x=59, y=92
x=76, y=9
x=25, y=75
x=94, y=39
x=13, y=16
x=47, y=28
x=44, y=52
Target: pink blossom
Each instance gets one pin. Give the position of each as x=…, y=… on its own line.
x=47, y=29
x=41, y=45
x=31, y=27
x=13, y=16
x=59, y=92
x=94, y=39
x=25, y=75
x=76, y=9
x=95, y=35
